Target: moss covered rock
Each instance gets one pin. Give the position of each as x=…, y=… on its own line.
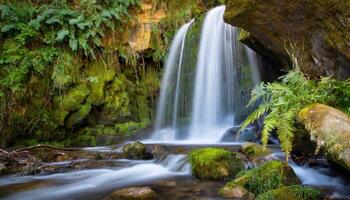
x=215, y=163
x=254, y=150
x=75, y=97
x=269, y=176
x=136, y=151
x=294, y=192
x=78, y=116
x=330, y=128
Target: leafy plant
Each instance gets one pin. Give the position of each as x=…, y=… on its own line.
x=281, y=101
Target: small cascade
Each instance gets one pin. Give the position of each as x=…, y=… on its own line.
x=206, y=85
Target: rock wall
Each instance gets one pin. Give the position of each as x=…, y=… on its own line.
x=315, y=32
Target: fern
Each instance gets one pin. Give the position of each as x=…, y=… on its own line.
x=282, y=100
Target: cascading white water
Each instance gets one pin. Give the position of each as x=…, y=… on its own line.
x=208, y=115
x=198, y=100
x=173, y=66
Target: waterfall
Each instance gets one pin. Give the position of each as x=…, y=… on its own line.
x=202, y=93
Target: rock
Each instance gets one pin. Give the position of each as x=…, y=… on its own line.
x=3, y=169
x=215, y=163
x=318, y=28
x=254, y=150
x=78, y=117
x=329, y=128
x=294, y=192
x=237, y=192
x=133, y=193
x=136, y=150
x=269, y=176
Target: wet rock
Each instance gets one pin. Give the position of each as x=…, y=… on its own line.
x=158, y=150
x=215, y=163
x=237, y=192
x=60, y=157
x=329, y=128
x=136, y=150
x=133, y=193
x=3, y=169
x=254, y=150
x=294, y=192
x=269, y=176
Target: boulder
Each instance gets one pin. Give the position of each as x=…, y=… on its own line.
x=318, y=30
x=215, y=163
x=269, y=176
x=136, y=150
x=254, y=150
x=294, y=192
x=3, y=169
x=329, y=128
x=133, y=193
x=237, y=192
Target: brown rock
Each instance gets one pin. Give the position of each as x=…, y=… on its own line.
x=318, y=28
x=133, y=193
x=237, y=192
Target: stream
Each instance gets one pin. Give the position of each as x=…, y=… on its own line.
x=169, y=176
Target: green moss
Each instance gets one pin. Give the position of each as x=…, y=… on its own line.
x=75, y=97
x=78, y=116
x=215, y=163
x=269, y=176
x=97, y=76
x=253, y=150
x=294, y=192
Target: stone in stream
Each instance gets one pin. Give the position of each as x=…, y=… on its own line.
x=269, y=176
x=133, y=193
x=254, y=150
x=136, y=150
x=329, y=128
x=237, y=192
x=215, y=163
x=3, y=169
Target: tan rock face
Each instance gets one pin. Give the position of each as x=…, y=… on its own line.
x=318, y=28
x=140, y=33
x=330, y=128
x=137, y=34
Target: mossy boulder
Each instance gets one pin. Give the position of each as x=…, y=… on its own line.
x=97, y=76
x=78, y=116
x=215, y=163
x=254, y=151
x=318, y=28
x=269, y=176
x=75, y=97
x=294, y=192
x=3, y=169
x=329, y=128
x=136, y=151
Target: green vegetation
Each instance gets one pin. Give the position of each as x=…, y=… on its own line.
x=269, y=176
x=215, y=163
x=294, y=192
x=283, y=100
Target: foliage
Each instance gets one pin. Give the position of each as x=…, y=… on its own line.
x=294, y=192
x=40, y=46
x=282, y=100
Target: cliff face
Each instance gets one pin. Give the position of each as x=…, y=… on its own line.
x=79, y=100
x=319, y=30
